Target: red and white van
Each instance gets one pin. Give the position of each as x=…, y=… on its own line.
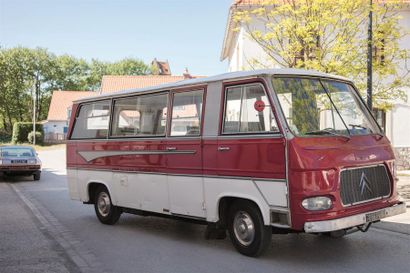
x=251, y=152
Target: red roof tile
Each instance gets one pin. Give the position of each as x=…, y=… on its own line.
x=62, y=100
x=117, y=83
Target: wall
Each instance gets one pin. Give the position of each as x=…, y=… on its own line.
x=54, y=131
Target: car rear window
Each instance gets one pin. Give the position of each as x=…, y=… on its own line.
x=16, y=152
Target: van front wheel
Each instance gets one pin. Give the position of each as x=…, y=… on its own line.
x=106, y=212
x=247, y=231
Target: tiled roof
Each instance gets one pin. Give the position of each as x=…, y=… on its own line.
x=117, y=83
x=62, y=100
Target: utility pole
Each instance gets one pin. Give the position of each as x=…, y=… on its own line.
x=370, y=58
x=34, y=112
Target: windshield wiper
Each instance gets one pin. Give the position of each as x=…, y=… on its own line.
x=328, y=131
x=365, y=128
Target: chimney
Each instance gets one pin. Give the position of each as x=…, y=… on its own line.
x=186, y=74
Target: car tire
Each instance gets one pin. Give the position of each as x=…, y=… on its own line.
x=247, y=230
x=107, y=213
x=37, y=176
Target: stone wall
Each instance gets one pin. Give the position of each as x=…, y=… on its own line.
x=402, y=158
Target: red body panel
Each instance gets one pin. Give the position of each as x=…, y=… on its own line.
x=314, y=165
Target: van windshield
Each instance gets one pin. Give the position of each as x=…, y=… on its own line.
x=322, y=107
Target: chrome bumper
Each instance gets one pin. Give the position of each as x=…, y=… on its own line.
x=352, y=221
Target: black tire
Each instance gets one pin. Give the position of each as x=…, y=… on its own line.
x=107, y=213
x=37, y=176
x=240, y=213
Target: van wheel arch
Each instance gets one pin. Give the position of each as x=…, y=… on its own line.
x=224, y=205
x=92, y=189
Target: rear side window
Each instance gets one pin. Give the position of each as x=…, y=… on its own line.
x=92, y=121
x=247, y=110
x=140, y=116
x=186, y=113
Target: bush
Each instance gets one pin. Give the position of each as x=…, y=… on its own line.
x=4, y=136
x=22, y=129
x=39, y=138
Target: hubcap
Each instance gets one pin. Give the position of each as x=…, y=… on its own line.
x=244, y=228
x=103, y=204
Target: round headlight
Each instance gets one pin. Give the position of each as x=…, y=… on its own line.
x=317, y=203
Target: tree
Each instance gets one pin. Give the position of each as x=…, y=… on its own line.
x=24, y=71
x=330, y=36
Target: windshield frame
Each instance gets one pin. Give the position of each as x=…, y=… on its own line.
x=355, y=93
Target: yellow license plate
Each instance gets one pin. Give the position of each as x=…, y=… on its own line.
x=375, y=216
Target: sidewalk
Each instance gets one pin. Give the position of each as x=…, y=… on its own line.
x=399, y=223
x=24, y=246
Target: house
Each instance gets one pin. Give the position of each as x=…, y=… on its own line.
x=59, y=112
x=240, y=51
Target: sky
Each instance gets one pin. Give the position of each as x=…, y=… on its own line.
x=187, y=33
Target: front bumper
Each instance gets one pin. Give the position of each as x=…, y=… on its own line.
x=354, y=220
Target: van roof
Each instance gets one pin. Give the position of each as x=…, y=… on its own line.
x=220, y=77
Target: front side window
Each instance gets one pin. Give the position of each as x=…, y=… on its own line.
x=186, y=113
x=322, y=107
x=140, y=116
x=247, y=110
x=92, y=121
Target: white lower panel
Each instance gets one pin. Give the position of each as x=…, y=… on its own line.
x=186, y=195
x=73, y=184
x=275, y=192
x=217, y=188
x=142, y=191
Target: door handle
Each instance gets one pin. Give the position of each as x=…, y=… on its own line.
x=171, y=148
x=223, y=149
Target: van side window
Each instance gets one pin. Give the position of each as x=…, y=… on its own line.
x=186, y=113
x=92, y=121
x=140, y=116
x=247, y=110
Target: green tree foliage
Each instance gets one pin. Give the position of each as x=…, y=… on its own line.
x=21, y=130
x=24, y=71
x=330, y=36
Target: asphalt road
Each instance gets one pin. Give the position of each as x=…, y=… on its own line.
x=71, y=239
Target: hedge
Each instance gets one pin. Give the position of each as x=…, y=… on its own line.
x=22, y=129
x=4, y=136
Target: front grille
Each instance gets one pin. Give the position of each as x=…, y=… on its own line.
x=364, y=184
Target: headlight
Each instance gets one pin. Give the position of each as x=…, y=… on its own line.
x=32, y=161
x=317, y=203
x=1, y=161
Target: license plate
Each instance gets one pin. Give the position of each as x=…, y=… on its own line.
x=375, y=216
x=19, y=161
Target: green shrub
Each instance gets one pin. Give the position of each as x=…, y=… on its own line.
x=22, y=129
x=39, y=138
x=4, y=137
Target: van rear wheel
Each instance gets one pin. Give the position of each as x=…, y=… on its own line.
x=246, y=228
x=106, y=212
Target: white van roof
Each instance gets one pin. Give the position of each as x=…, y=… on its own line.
x=220, y=77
